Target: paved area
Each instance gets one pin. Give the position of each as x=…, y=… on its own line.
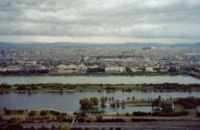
x=161, y=125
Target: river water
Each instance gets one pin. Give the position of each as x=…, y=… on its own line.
x=69, y=101
x=99, y=79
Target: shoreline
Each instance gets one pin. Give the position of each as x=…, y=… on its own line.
x=55, y=87
x=102, y=74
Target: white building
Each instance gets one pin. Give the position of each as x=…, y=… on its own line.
x=115, y=69
x=31, y=67
x=135, y=69
x=70, y=69
x=149, y=69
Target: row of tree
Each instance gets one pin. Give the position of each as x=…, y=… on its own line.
x=188, y=103
x=89, y=103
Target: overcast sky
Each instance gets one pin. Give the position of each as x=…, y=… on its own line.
x=100, y=21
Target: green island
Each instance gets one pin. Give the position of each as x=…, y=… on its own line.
x=54, y=87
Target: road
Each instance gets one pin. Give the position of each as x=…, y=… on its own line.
x=178, y=125
x=161, y=125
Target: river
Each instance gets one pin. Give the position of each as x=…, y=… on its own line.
x=69, y=101
x=181, y=79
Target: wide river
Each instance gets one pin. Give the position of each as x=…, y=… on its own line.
x=99, y=79
x=69, y=101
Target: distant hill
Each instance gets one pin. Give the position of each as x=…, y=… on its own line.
x=87, y=45
x=187, y=45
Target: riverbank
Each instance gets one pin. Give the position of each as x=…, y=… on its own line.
x=105, y=74
x=46, y=114
x=98, y=74
x=54, y=116
x=165, y=87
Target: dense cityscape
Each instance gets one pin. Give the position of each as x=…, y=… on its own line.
x=110, y=60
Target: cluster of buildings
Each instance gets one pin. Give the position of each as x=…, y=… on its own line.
x=24, y=68
x=71, y=69
x=98, y=60
x=84, y=69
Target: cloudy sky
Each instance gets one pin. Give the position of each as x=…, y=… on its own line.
x=100, y=21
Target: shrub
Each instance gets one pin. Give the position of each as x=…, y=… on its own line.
x=189, y=102
x=43, y=113
x=32, y=113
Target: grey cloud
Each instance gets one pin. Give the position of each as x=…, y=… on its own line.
x=121, y=18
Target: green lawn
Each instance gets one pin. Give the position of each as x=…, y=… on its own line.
x=192, y=111
x=178, y=108
x=37, y=115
